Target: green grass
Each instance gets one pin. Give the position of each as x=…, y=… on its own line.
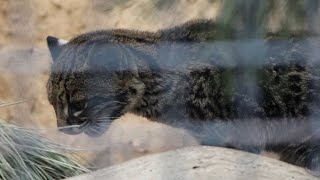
x=27, y=155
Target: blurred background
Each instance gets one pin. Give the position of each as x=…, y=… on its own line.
x=25, y=60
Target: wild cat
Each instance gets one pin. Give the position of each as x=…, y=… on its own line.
x=251, y=95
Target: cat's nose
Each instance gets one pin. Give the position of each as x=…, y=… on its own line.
x=76, y=109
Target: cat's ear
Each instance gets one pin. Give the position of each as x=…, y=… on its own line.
x=55, y=46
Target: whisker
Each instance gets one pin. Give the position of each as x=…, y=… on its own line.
x=103, y=125
x=46, y=129
x=104, y=120
x=11, y=104
x=88, y=131
x=107, y=117
x=119, y=102
x=92, y=128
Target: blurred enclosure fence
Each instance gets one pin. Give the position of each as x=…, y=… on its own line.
x=26, y=23
x=25, y=62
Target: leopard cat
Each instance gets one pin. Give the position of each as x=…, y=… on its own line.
x=248, y=94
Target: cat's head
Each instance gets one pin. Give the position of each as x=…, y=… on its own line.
x=93, y=81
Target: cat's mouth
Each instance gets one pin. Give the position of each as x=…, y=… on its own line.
x=90, y=128
x=76, y=129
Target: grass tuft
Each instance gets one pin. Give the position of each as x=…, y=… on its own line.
x=27, y=155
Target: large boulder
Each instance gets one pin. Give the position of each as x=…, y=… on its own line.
x=201, y=163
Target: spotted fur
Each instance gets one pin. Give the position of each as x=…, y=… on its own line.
x=193, y=76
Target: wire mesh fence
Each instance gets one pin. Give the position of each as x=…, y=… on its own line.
x=250, y=40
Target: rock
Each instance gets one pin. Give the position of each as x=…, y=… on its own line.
x=201, y=163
